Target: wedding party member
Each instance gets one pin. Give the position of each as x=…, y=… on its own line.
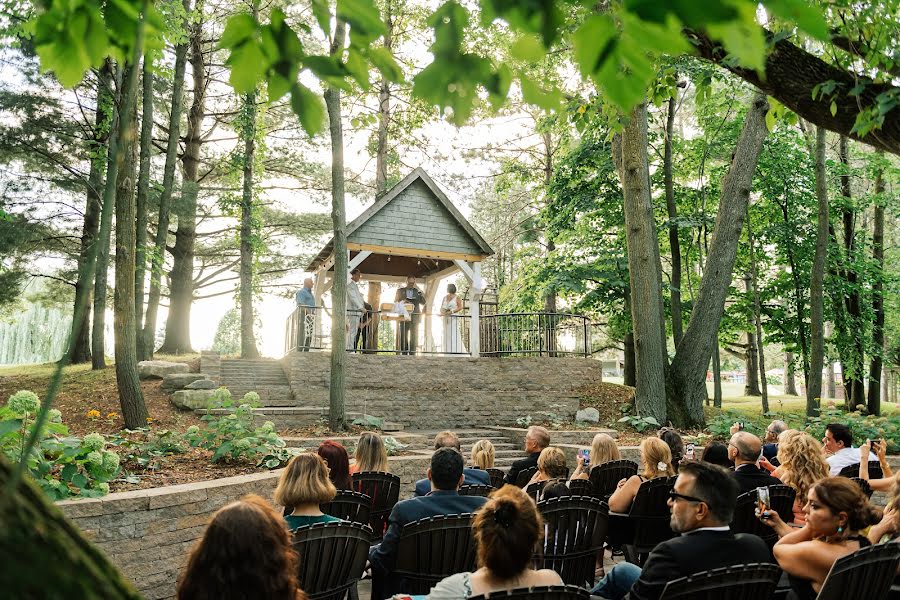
x=409, y=330
x=355, y=307
x=306, y=302
x=450, y=306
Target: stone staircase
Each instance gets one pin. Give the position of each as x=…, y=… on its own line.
x=505, y=451
x=262, y=375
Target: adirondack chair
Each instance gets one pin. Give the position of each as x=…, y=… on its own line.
x=433, y=548
x=476, y=490
x=347, y=547
x=544, y=592
x=349, y=506
x=745, y=520
x=605, y=477
x=575, y=529
x=384, y=489
x=736, y=582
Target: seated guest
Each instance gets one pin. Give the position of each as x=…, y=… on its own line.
x=603, y=450
x=506, y=531
x=448, y=439
x=445, y=475
x=744, y=450
x=770, y=443
x=303, y=486
x=836, y=510
x=245, y=552
x=702, y=503
x=338, y=462
x=675, y=443
x=888, y=528
x=536, y=439
x=887, y=480
x=656, y=459
x=370, y=454
x=551, y=465
x=802, y=465
x=839, y=451
x=482, y=456
x=555, y=489
x=716, y=453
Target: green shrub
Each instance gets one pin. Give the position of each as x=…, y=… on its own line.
x=63, y=465
x=146, y=446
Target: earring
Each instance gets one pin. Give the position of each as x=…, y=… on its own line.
x=840, y=530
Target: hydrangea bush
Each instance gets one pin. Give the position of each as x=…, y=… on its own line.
x=62, y=464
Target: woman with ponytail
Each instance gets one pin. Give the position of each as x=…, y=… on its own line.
x=507, y=530
x=656, y=458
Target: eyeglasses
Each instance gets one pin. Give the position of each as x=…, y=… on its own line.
x=673, y=496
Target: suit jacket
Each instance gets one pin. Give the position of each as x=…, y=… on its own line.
x=522, y=463
x=749, y=477
x=694, y=552
x=472, y=477
x=438, y=502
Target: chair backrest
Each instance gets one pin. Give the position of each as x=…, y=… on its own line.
x=863, y=485
x=497, y=477
x=868, y=572
x=433, y=548
x=337, y=553
x=544, y=592
x=581, y=487
x=650, y=514
x=525, y=476
x=875, y=471
x=476, y=490
x=605, y=477
x=384, y=489
x=735, y=582
x=575, y=529
x=534, y=489
x=744, y=520
x=349, y=506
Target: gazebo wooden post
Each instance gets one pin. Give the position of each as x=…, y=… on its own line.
x=318, y=292
x=475, y=310
x=431, y=286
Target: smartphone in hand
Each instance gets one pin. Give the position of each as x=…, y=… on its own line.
x=689, y=453
x=585, y=455
x=763, y=501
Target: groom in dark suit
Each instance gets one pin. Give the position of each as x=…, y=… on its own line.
x=702, y=503
x=446, y=475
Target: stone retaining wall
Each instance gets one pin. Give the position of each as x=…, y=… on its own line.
x=149, y=533
x=420, y=391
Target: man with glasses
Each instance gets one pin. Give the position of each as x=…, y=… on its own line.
x=702, y=502
x=770, y=443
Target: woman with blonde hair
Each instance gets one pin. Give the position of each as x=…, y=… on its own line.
x=802, y=465
x=603, y=450
x=656, y=458
x=303, y=486
x=370, y=455
x=483, y=455
x=507, y=529
x=551, y=464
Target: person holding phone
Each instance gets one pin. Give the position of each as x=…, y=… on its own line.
x=603, y=450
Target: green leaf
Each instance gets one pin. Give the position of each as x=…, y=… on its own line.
x=806, y=15
x=79, y=480
x=10, y=426
x=68, y=472
x=273, y=463
x=534, y=94
x=384, y=61
x=248, y=65
x=771, y=119
x=308, y=107
x=363, y=17
x=358, y=68
x=278, y=86
x=594, y=41
x=323, y=15
x=833, y=108
x=528, y=48
x=238, y=29
x=742, y=37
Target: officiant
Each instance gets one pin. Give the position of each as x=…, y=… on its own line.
x=409, y=330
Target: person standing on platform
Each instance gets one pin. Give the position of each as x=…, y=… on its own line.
x=409, y=330
x=306, y=303
x=365, y=324
x=355, y=306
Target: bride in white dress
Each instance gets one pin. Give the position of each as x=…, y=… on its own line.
x=451, y=305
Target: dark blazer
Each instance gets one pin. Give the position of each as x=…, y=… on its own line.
x=770, y=450
x=749, y=477
x=438, y=502
x=472, y=477
x=522, y=463
x=694, y=552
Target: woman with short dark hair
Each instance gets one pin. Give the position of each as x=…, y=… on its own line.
x=506, y=529
x=245, y=553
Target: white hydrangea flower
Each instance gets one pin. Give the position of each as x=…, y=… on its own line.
x=24, y=402
x=95, y=458
x=193, y=430
x=94, y=441
x=55, y=416
x=110, y=461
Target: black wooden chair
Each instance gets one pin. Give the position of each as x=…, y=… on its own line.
x=525, y=476
x=349, y=506
x=384, y=489
x=534, y=489
x=863, y=485
x=649, y=519
x=337, y=555
x=581, y=487
x=736, y=582
x=497, y=477
x=433, y=548
x=544, y=592
x=605, y=477
x=868, y=573
x=745, y=520
x=575, y=529
x=853, y=470
x=476, y=490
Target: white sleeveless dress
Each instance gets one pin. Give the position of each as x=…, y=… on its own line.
x=452, y=342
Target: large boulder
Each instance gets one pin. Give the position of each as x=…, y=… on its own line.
x=201, y=384
x=191, y=399
x=589, y=415
x=179, y=381
x=158, y=369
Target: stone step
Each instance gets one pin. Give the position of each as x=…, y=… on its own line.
x=294, y=417
x=237, y=379
x=225, y=374
x=495, y=440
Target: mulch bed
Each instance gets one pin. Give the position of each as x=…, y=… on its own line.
x=176, y=469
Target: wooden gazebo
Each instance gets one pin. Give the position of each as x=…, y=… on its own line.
x=413, y=229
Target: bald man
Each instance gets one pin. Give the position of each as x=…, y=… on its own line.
x=744, y=450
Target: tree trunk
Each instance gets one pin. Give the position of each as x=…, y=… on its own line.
x=143, y=198
x=630, y=155
x=830, y=383
x=81, y=324
x=384, y=114
x=672, y=209
x=817, y=285
x=181, y=277
x=874, y=398
x=148, y=334
x=717, y=377
x=374, y=300
x=630, y=367
x=757, y=320
x=853, y=376
x=248, y=131
x=790, y=377
x=751, y=360
x=336, y=416
x=693, y=354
